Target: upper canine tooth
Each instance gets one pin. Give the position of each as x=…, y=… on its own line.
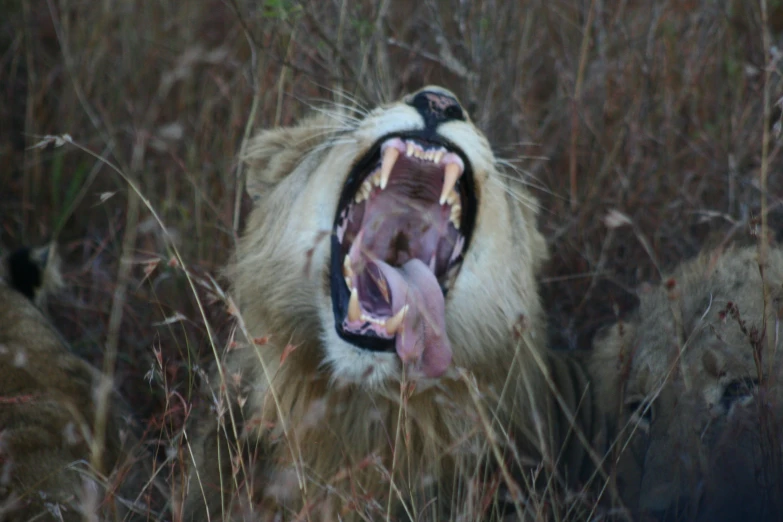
x=393, y=323
x=409, y=149
x=449, y=180
x=390, y=156
x=439, y=156
x=354, y=310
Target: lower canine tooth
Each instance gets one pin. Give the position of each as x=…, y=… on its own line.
x=390, y=156
x=393, y=324
x=354, y=310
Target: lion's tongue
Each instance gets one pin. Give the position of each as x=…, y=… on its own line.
x=422, y=340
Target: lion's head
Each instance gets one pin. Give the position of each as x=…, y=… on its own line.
x=684, y=372
x=388, y=237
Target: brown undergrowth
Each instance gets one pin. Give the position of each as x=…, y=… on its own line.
x=638, y=124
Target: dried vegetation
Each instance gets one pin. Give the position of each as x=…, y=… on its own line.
x=639, y=124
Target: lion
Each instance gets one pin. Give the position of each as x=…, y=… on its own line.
x=49, y=466
x=691, y=379
x=391, y=360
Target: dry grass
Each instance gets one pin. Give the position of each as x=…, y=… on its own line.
x=648, y=114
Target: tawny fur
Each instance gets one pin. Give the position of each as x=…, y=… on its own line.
x=326, y=430
x=707, y=449
x=47, y=418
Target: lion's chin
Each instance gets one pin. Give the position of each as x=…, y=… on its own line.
x=349, y=365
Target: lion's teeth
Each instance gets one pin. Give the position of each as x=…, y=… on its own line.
x=348, y=283
x=456, y=215
x=439, y=156
x=449, y=180
x=363, y=192
x=409, y=149
x=390, y=156
x=432, y=263
x=347, y=270
x=393, y=323
x=354, y=310
x=452, y=198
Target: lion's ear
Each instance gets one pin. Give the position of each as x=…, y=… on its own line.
x=35, y=273
x=275, y=153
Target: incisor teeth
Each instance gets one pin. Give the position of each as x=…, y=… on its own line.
x=390, y=156
x=354, y=310
x=449, y=180
x=393, y=323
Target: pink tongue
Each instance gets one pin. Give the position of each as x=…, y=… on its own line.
x=422, y=342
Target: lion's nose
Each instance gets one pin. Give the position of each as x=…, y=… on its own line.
x=437, y=108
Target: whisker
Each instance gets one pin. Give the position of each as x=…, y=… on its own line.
x=526, y=179
x=528, y=202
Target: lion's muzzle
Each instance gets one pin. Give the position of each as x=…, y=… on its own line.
x=401, y=230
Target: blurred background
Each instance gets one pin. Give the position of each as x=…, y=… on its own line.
x=638, y=124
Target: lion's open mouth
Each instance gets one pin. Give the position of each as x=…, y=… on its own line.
x=403, y=224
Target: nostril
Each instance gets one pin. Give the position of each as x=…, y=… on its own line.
x=454, y=112
x=437, y=108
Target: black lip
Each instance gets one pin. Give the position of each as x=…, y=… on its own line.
x=357, y=175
